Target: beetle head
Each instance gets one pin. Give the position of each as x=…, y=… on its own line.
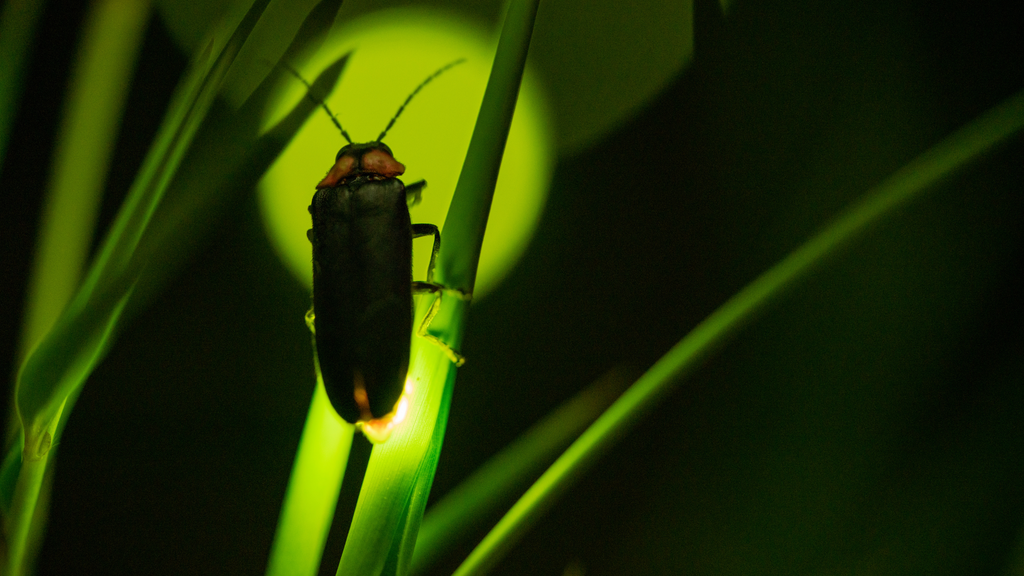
x=372, y=160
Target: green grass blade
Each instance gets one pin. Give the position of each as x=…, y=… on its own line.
x=158, y=246
x=172, y=142
x=92, y=109
x=55, y=367
x=99, y=84
x=400, y=560
x=471, y=204
x=465, y=508
x=60, y=364
x=386, y=501
x=312, y=494
x=194, y=205
x=53, y=374
x=287, y=26
x=395, y=467
x=953, y=153
x=400, y=555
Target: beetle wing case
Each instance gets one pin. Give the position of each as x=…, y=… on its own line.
x=362, y=293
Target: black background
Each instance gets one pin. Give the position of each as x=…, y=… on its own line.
x=872, y=421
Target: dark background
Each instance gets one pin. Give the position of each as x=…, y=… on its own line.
x=872, y=421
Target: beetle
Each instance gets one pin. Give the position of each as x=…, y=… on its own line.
x=362, y=312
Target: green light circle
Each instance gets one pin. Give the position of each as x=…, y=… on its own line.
x=394, y=51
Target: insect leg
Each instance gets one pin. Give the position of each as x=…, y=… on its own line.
x=420, y=230
x=437, y=290
x=413, y=193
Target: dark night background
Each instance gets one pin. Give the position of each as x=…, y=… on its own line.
x=871, y=422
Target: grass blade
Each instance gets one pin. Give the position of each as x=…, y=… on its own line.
x=400, y=559
x=98, y=87
x=60, y=364
x=312, y=494
x=156, y=246
x=194, y=203
x=397, y=467
x=55, y=367
x=493, y=484
x=953, y=153
x=467, y=217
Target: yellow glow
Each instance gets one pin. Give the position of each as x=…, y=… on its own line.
x=394, y=51
x=402, y=411
x=379, y=430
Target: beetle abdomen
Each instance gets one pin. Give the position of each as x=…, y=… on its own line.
x=362, y=293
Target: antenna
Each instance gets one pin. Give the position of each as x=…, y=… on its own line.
x=309, y=93
x=440, y=71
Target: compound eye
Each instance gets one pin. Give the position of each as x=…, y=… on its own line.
x=344, y=150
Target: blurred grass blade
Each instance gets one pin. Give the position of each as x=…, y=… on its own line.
x=163, y=245
x=52, y=376
x=100, y=75
x=63, y=360
x=18, y=21
x=194, y=203
x=172, y=142
x=97, y=90
x=396, y=468
x=223, y=167
x=48, y=376
x=20, y=523
x=286, y=26
x=953, y=153
x=312, y=494
x=466, y=507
